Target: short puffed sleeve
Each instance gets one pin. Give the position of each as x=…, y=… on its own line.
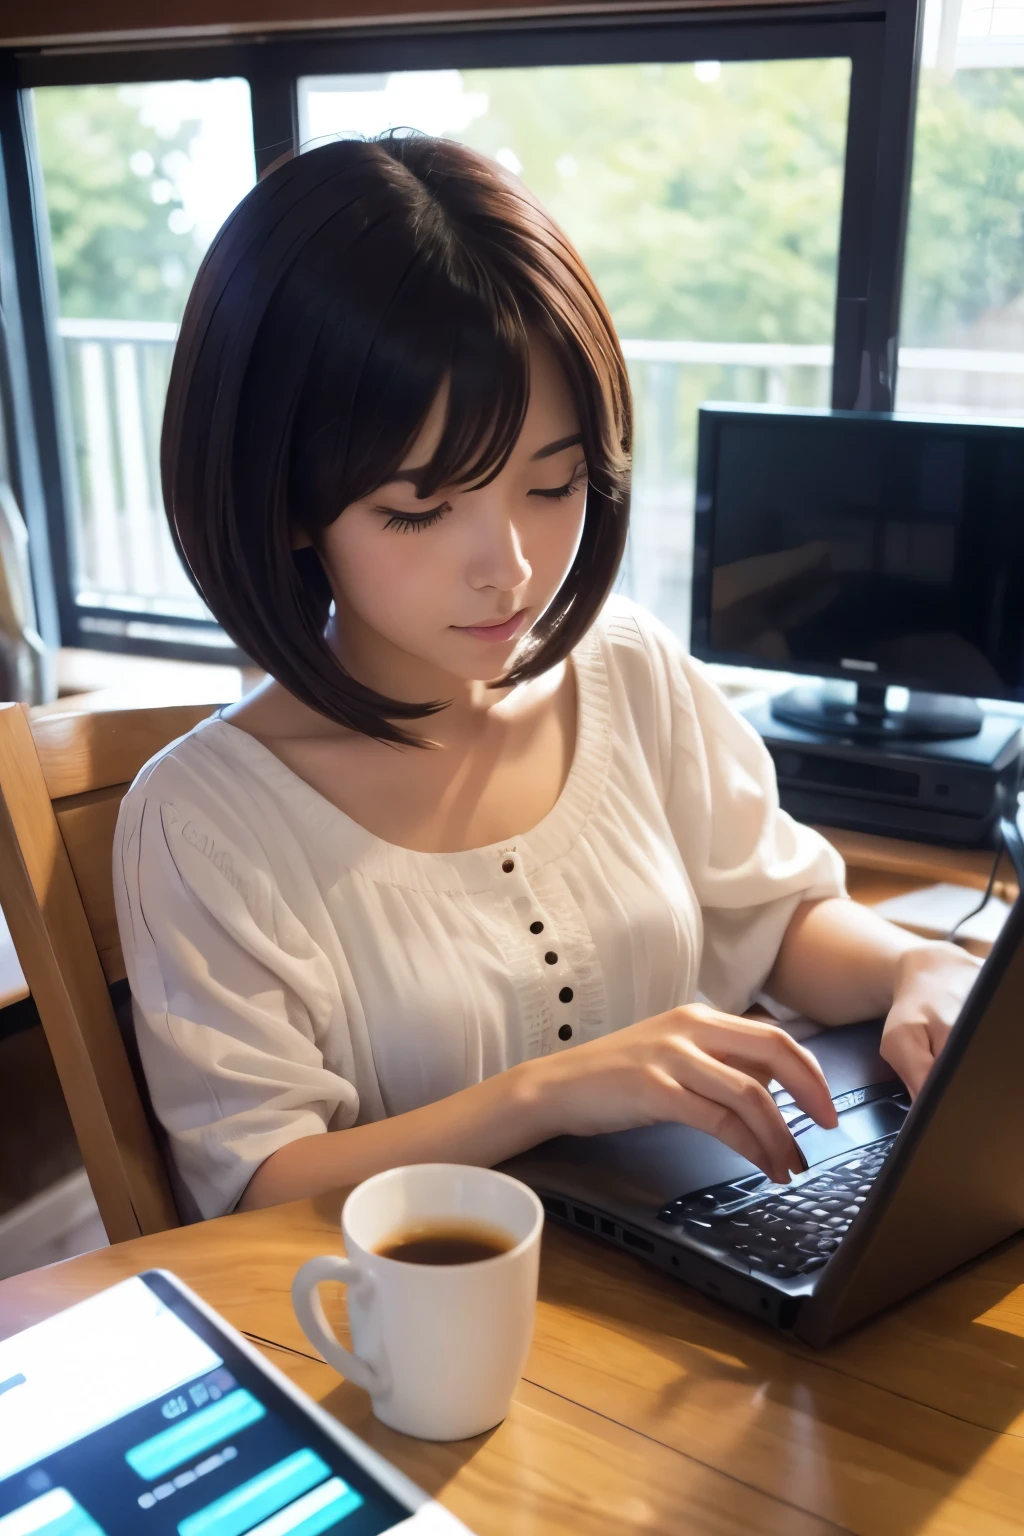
x=233, y=1000
x=749, y=862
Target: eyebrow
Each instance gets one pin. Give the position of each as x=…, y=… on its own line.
x=552, y=448
x=414, y=476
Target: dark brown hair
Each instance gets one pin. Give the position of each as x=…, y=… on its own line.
x=335, y=301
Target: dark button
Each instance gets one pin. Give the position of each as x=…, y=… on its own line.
x=508, y=865
x=551, y=957
x=536, y=927
x=565, y=996
x=565, y=1033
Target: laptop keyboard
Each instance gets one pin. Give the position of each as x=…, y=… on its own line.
x=790, y=1231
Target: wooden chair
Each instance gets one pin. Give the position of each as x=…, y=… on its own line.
x=62, y=777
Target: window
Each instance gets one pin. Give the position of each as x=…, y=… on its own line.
x=137, y=178
x=962, y=327
x=705, y=199
x=734, y=181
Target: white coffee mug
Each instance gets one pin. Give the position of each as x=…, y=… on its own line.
x=439, y=1348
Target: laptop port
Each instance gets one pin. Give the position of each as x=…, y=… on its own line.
x=607, y=1228
x=583, y=1218
x=633, y=1240
x=554, y=1207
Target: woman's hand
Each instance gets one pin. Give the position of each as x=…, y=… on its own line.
x=932, y=981
x=692, y=1065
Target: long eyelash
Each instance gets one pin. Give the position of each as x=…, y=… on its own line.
x=406, y=524
x=413, y=524
x=563, y=492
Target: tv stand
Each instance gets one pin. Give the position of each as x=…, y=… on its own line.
x=950, y=790
x=927, y=717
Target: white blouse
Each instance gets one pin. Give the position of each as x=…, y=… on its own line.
x=292, y=973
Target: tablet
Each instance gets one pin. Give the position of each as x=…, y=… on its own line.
x=140, y=1412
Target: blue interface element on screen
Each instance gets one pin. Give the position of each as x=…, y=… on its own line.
x=194, y=1435
x=264, y=1495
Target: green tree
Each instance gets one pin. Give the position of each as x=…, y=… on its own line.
x=965, y=252
x=707, y=209
x=110, y=199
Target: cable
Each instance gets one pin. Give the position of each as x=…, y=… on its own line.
x=983, y=903
x=1013, y=843
x=1010, y=843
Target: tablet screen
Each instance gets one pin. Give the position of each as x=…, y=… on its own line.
x=132, y=1413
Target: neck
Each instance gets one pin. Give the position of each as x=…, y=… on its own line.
x=377, y=663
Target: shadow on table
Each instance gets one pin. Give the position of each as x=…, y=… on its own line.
x=432, y=1464
x=875, y=1432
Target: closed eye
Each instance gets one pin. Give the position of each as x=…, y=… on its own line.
x=412, y=522
x=562, y=492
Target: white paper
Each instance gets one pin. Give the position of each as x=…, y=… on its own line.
x=938, y=908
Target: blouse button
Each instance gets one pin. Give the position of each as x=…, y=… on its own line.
x=565, y=1033
x=565, y=996
x=537, y=927
x=508, y=865
x=551, y=957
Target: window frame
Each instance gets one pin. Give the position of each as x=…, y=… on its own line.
x=882, y=39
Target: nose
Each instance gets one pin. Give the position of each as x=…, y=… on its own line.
x=497, y=559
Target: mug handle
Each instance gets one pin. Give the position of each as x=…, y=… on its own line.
x=310, y=1313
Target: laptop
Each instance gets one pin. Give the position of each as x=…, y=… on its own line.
x=895, y=1197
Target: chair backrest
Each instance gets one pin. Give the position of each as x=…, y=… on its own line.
x=62, y=777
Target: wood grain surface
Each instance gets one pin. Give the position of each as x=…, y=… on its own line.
x=646, y=1407
x=919, y=863
x=81, y=752
x=87, y=823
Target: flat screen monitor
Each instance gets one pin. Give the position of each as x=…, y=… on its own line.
x=884, y=549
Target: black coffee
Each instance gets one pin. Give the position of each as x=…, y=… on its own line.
x=446, y=1242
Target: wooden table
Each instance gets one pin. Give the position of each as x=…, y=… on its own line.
x=645, y=1407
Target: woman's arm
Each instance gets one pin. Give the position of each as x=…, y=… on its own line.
x=483, y=1124
x=840, y=962
x=692, y=1065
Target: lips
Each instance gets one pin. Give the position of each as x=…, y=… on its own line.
x=504, y=629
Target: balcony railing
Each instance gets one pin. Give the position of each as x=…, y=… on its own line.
x=117, y=375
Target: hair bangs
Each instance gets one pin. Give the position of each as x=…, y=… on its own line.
x=441, y=332
x=488, y=393
x=348, y=289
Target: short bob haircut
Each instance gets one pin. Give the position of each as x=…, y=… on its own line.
x=334, y=303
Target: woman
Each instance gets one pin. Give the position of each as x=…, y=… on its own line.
x=487, y=858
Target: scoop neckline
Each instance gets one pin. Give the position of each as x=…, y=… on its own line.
x=549, y=838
